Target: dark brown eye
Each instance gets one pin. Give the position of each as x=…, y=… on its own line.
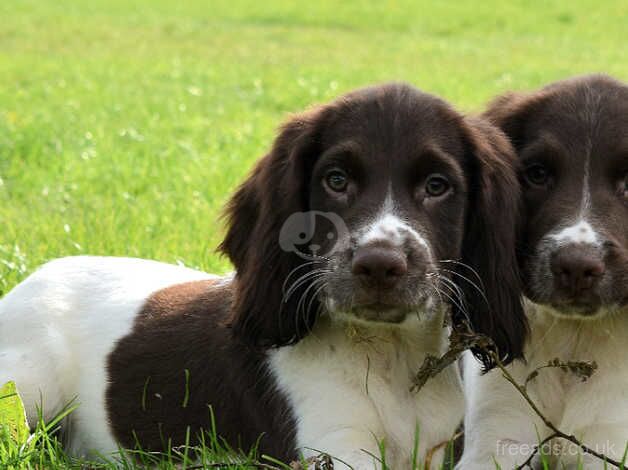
x=537, y=175
x=436, y=185
x=337, y=180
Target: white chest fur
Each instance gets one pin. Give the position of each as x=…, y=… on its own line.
x=577, y=406
x=349, y=386
x=500, y=425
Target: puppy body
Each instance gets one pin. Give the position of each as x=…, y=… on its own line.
x=571, y=137
x=370, y=221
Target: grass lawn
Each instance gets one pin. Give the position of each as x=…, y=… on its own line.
x=124, y=126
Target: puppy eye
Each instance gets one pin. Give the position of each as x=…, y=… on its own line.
x=436, y=185
x=537, y=175
x=337, y=180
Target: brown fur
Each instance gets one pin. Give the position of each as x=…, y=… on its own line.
x=182, y=328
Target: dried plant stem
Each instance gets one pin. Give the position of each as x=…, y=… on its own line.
x=461, y=341
x=556, y=433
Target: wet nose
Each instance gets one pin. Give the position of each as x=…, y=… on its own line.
x=577, y=269
x=379, y=267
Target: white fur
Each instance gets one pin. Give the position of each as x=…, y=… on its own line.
x=58, y=327
x=581, y=232
x=349, y=385
x=500, y=425
x=391, y=228
x=388, y=226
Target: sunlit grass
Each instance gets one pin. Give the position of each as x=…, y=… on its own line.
x=124, y=128
x=44, y=450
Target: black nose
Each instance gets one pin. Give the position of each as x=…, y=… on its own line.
x=379, y=267
x=577, y=269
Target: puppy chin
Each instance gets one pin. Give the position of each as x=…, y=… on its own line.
x=572, y=311
x=379, y=313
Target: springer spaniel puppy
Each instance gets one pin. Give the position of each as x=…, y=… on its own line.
x=349, y=239
x=572, y=138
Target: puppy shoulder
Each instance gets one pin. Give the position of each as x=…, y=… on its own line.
x=198, y=297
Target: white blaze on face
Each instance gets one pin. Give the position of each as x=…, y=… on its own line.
x=581, y=232
x=585, y=204
x=389, y=227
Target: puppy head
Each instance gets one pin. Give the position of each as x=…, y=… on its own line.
x=379, y=205
x=572, y=140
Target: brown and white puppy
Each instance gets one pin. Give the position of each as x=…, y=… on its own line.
x=349, y=239
x=572, y=139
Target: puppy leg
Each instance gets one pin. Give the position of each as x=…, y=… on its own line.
x=610, y=440
x=596, y=414
x=499, y=425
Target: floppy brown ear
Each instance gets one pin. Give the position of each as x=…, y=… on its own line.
x=276, y=189
x=493, y=306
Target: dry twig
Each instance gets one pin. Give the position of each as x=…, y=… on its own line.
x=458, y=343
x=461, y=341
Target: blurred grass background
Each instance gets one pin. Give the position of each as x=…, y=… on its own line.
x=125, y=125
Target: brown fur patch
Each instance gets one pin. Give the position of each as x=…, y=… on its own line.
x=180, y=360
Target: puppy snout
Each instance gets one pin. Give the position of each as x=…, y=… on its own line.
x=379, y=267
x=577, y=269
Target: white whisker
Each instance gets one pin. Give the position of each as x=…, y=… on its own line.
x=477, y=288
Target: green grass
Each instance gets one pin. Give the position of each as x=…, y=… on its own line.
x=43, y=450
x=124, y=126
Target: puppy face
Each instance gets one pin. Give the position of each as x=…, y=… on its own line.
x=402, y=197
x=572, y=138
x=375, y=206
